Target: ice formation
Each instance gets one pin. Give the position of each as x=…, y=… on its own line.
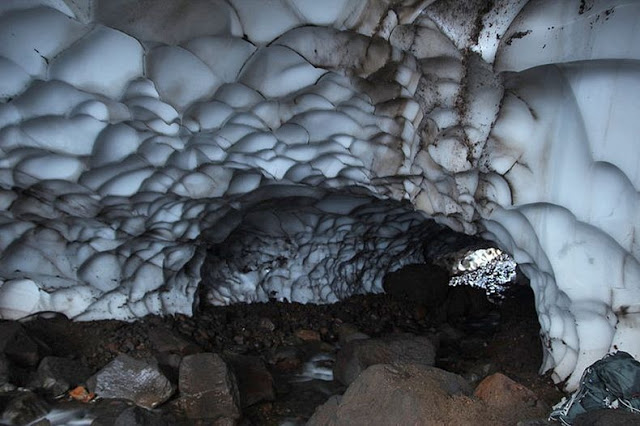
x=138, y=136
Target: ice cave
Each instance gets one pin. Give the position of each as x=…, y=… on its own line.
x=158, y=153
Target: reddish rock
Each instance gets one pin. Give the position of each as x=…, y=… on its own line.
x=499, y=391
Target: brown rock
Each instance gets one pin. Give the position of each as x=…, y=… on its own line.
x=404, y=394
x=308, y=335
x=167, y=341
x=357, y=355
x=499, y=391
x=208, y=388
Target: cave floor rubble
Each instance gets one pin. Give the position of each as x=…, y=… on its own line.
x=282, y=355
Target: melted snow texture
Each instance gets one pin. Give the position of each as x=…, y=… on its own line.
x=125, y=142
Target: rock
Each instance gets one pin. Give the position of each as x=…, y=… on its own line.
x=449, y=335
x=5, y=368
x=137, y=416
x=618, y=417
x=57, y=375
x=24, y=409
x=357, y=355
x=170, y=347
x=476, y=372
x=255, y=383
x=403, y=394
x=287, y=359
x=208, y=388
x=326, y=414
x=132, y=379
x=266, y=324
x=17, y=345
x=167, y=341
x=499, y=391
x=308, y=335
x=425, y=284
x=348, y=332
x=106, y=411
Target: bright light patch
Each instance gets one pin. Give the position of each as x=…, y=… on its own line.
x=490, y=269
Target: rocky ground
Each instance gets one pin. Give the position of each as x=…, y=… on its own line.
x=276, y=363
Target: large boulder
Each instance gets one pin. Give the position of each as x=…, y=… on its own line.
x=131, y=379
x=359, y=354
x=404, y=394
x=208, y=389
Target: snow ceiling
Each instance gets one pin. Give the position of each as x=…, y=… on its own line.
x=141, y=140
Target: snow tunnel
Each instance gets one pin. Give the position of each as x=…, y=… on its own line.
x=136, y=137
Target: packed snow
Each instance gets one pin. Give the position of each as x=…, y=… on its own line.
x=137, y=142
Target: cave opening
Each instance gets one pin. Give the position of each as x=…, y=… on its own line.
x=215, y=178
x=294, y=279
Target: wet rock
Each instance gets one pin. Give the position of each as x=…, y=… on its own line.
x=57, y=375
x=25, y=408
x=208, y=388
x=17, y=345
x=608, y=418
x=499, y=391
x=132, y=379
x=357, y=355
x=425, y=284
x=402, y=394
x=255, y=383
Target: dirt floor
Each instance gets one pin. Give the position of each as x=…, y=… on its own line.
x=288, y=335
